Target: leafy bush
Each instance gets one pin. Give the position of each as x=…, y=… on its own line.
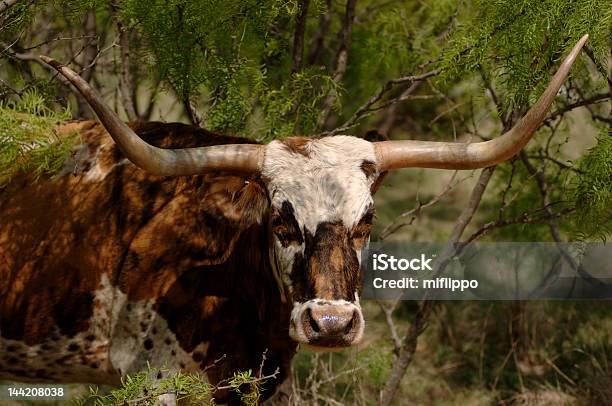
x=29, y=141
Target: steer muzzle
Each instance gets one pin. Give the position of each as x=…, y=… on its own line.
x=327, y=325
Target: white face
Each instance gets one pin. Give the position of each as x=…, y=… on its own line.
x=320, y=190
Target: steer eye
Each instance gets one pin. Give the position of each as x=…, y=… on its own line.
x=281, y=231
x=360, y=235
x=286, y=236
x=277, y=220
x=286, y=233
x=361, y=231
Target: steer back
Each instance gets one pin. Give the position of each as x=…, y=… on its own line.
x=105, y=267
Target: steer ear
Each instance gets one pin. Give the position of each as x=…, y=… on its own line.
x=240, y=201
x=215, y=210
x=375, y=136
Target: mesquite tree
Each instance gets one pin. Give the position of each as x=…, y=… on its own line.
x=428, y=69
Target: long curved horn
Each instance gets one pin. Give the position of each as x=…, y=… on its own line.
x=453, y=155
x=159, y=161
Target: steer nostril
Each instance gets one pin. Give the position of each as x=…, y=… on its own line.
x=313, y=323
x=350, y=324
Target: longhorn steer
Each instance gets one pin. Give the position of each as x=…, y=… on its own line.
x=219, y=247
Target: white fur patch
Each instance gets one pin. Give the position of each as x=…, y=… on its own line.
x=82, y=157
x=137, y=323
x=326, y=185
x=97, y=173
x=115, y=341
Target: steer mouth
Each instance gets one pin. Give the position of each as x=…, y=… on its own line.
x=326, y=325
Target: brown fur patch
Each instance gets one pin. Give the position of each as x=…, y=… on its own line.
x=329, y=268
x=285, y=225
x=297, y=145
x=369, y=168
x=239, y=200
x=362, y=229
x=374, y=136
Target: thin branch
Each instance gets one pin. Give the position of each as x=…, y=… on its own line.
x=341, y=59
x=298, y=36
x=273, y=375
x=363, y=110
x=524, y=218
x=29, y=57
x=551, y=219
x=492, y=92
x=594, y=115
x=559, y=371
x=468, y=213
x=389, y=120
x=504, y=202
x=264, y=357
x=11, y=89
x=585, y=102
x=401, y=98
x=563, y=165
x=454, y=107
x=496, y=100
x=215, y=363
x=413, y=213
x=388, y=311
x=56, y=39
x=339, y=374
x=89, y=56
x=87, y=61
x=406, y=353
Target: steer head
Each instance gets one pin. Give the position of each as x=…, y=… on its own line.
x=322, y=211
x=321, y=196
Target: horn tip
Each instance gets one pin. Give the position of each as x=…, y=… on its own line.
x=581, y=42
x=50, y=61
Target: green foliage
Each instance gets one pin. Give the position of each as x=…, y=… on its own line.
x=144, y=388
x=394, y=41
x=518, y=41
x=16, y=18
x=28, y=138
x=230, y=108
x=251, y=396
x=293, y=107
x=377, y=362
x=217, y=48
x=593, y=191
